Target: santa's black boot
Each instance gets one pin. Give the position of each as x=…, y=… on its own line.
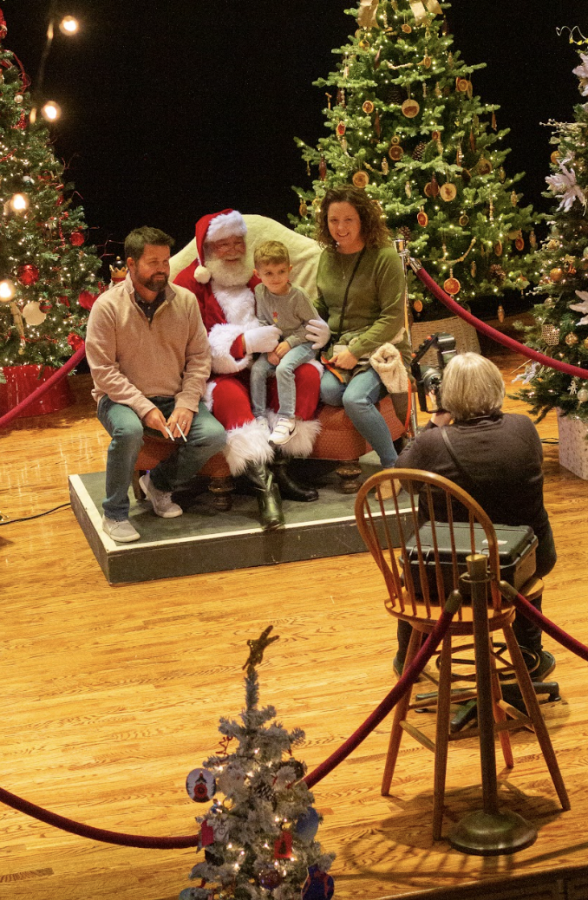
x=267, y=492
x=290, y=489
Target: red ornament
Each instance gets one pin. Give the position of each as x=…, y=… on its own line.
x=63, y=300
x=45, y=307
x=22, y=122
x=74, y=341
x=76, y=239
x=28, y=274
x=87, y=300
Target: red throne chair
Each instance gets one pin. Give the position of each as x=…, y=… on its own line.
x=338, y=441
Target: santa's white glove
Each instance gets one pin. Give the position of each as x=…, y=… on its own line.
x=263, y=339
x=318, y=332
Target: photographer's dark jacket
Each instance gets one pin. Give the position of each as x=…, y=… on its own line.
x=503, y=456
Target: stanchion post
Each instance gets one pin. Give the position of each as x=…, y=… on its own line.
x=487, y=832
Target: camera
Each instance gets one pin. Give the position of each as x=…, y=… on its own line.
x=428, y=378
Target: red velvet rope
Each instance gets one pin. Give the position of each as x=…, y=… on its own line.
x=549, y=627
x=43, y=388
x=497, y=336
x=408, y=678
x=97, y=834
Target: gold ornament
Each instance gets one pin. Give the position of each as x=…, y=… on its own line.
x=556, y=274
x=360, y=179
x=555, y=157
x=520, y=243
x=582, y=395
x=571, y=339
x=303, y=209
x=514, y=198
x=410, y=108
x=464, y=220
x=448, y=192
x=418, y=306
x=585, y=342
x=500, y=313
x=550, y=334
x=484, y=166
x=461, y=84
x=498, y=248
x=368, y=107
x=431, y=189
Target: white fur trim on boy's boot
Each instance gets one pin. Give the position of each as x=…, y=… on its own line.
x=303, y=439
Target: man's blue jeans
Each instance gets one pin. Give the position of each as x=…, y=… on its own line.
x=285, y=369
x=358, y=399
x=205, y=438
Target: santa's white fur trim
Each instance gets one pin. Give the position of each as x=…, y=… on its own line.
x=221, y=339
x=210, y=386
x=202, y=274
x=225, y=226
x=237, y=304
x=319, y=366
x=247, y=444
x=302, y=441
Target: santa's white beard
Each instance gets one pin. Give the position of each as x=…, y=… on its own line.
x=229, y=274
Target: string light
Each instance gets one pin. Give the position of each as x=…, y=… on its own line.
x=18, y=203
x=69, y=25
x=7, y=290
x=51, y=111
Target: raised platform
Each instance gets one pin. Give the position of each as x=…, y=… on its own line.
x=206, y=540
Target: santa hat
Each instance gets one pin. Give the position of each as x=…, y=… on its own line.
x=216, y=227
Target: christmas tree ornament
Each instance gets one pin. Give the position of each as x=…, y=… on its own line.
x=341, y=97
x=418, y=10
x=322, y=168
x=448, y=192
x=459, y=155
x=368, y=107
x=461, y=85
x=76, y=239
x=269, y=878
x=283, y=845
x=395, y=152
x=555, y=157
x=329, y=98
x=364, y=44
x=496, y=274
x=484, y=166
x=201, y=785
x=422, y=218
x=118, y=270
x=431, y=189
x=377, y=125
x=28, y=274
x=366, y=16
x=408, y=189
x=473, y=145
x=494, y=124
x=303, y=209
x=18, y=98
x=419, y=151
x=360, y=179
x=571, y=339
x=32, y=314
x=438, y=92
x=406, y=28
x=418, y=306
x=206, y=835
x=343, y=142
x=491, y=210
x=582, y=395
x=410, y=108
x=378, y=58
x=500, y=313
x=341, y=128
x=307, y=824
x=520, y=243
x=434, y=7
x=532, y=239
x=87, y=299
x=501, y=174
x=556, y=274
x=514, y=198
x=427, y=63
x=464, y=220
x=385, y=166
x=451, y=285
x=550, y=334
x=498, y=248
x=473, y=268
x=318, y=885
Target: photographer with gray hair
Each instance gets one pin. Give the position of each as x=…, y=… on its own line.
x=497, y=458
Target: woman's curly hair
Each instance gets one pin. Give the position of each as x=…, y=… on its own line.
x=374, y=231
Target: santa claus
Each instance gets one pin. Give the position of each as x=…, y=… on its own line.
x=223, y=281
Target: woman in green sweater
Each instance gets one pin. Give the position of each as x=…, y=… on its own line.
x=360, y=284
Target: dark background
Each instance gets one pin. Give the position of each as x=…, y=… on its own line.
x=177, y=108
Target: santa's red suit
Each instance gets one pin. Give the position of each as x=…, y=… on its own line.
x=228, y=314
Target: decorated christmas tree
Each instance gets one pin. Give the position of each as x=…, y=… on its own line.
x=258, y=840
x=406, y=125
x=560, y=324
x=47, y=276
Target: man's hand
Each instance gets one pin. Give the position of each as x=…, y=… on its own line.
x=282, y=349
x=262, y=339
x=344, y=360
x=318, y=332
x=182, y=417
x=155, y=420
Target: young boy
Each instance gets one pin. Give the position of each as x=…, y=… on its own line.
x=280, y=303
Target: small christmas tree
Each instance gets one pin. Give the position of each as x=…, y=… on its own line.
x=258, y=841
x=47, y=278
x=406, y=125
x=561, y=320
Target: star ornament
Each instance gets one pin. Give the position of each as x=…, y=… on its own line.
x=581, y=307
x=565, y=183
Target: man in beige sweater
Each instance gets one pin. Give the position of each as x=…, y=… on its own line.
x=149, y=357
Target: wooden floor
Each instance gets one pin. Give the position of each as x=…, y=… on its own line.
x=111, y=695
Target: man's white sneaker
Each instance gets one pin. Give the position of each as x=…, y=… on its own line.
x=283, y=430
x=121, y=532
x=263, y=422
x=161, y=501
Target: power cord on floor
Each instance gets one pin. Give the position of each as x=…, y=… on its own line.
x=6, y=521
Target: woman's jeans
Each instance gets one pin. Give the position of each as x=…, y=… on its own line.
x=358, y=399
x=260, y=371
x=205, y=438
